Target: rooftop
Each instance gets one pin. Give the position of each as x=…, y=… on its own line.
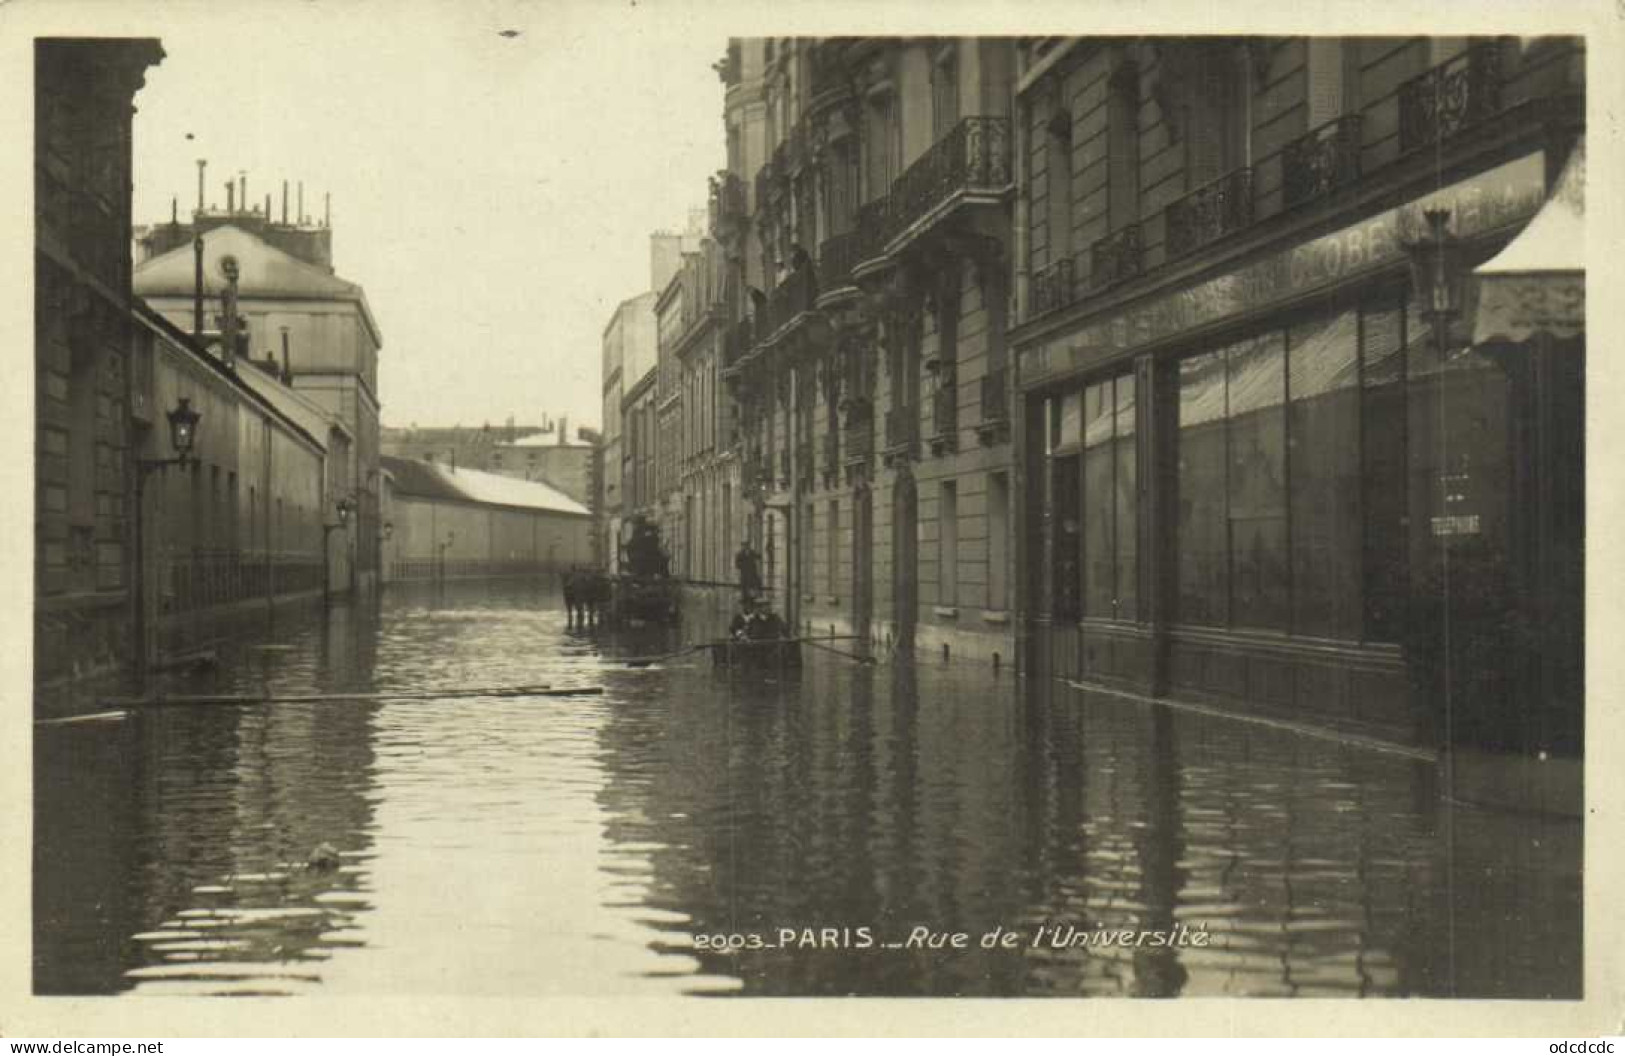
x=432, y=480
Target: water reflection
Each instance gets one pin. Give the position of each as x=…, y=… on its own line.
x=577, y=845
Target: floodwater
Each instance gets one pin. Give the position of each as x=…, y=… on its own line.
x=656, y=839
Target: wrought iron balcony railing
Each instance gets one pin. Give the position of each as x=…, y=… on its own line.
x=945, y=417
x=973, y=156
x=1210, y=212
x=873, y=218
x=1116, y=258
x=766, y=184
x=795, y=147
x=790, y=298
x=836, y=258
x=1450, y=97
x=728, y=208
x=860, y=440
x=1053, y=286
x=827, y=68
x=736, y=342
x=781, y=164
x=1321, y=161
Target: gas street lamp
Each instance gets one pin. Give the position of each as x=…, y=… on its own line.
x=342, y=510
x=1438, y=271
x=183, y=421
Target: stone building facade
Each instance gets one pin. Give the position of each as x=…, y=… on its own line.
x=83, y=339
x=868, y=359
x=1255, y=466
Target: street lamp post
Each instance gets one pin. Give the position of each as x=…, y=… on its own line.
x=440, y=550
x=342, y=508
x=1439, y=285
x=183, y=422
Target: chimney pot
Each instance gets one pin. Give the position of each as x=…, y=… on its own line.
x=201, y=165
x=284, y=201
x=231, y=197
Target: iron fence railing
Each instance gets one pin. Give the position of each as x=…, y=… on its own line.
x=205, y=578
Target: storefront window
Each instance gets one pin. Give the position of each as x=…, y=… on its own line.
x=1292, y=486
x=1324, y=426
x=1099, y=507
x=1382, y=347
x=1204, y=544
x=1128, y=520
x=1109, y=500
x=1257, y=485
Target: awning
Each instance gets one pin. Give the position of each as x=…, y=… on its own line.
x=1536, y=285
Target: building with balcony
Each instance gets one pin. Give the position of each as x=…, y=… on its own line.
x=867, y=362
x=631, y=354
x=1256, y=467
x=700, y=492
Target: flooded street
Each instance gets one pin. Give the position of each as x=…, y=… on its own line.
x=548, y=846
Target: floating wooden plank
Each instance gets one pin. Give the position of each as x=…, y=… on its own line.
x=245, y=699
x=98, y=716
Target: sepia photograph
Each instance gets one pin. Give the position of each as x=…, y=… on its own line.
x=551, y=501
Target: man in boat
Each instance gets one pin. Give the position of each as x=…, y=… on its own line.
x=764, y=624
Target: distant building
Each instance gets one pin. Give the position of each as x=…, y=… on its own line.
x=449, y=522
x=315, y=327
x=707, y=469
x=546, y=458
x=630, y=354
x=459, y=445
x=664, y=502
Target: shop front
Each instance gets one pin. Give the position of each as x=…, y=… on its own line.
x=1294, y=489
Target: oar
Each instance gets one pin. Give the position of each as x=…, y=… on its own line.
x=645, y=661
x=816, y=644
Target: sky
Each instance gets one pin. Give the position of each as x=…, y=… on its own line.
x=493, y=194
